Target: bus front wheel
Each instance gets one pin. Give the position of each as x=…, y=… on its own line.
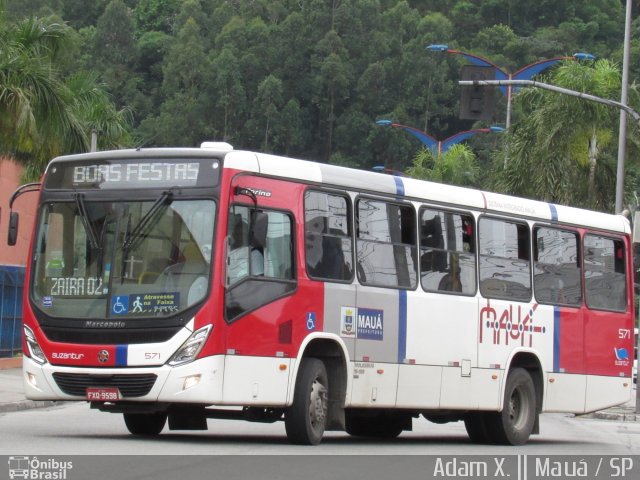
x=145, y=423
x=305, y=420
x=514, y=424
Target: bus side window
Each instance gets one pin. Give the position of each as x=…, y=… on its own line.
x=447, y=256
x=505, y=269
x=556, y=275
x=604, y=273
x=386, y=244
x=328, y=250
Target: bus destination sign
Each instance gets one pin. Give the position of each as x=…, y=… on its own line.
x=128, y=174
x=139, y=173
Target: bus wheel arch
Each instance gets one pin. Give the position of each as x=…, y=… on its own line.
x=531, y=363
x=306, y=419
x=522, y=402
x=334, y=356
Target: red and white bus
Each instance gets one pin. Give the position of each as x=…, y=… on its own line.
x=180, y=283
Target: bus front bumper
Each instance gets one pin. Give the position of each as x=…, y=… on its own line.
x=214, y=380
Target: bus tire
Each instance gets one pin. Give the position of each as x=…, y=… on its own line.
x=305, y=420
x=145, y=423
x=381, y=425
x=514, y=424
x=476, y=425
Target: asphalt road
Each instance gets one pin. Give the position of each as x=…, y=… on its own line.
x=72, y=442
x=74, y=429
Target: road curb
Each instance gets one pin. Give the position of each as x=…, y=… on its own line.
x=622, y=417
x=25, y=405
x=616, y=416
x=13, y=362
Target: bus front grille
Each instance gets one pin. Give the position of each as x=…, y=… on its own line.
x=109, y=336
x=130, y=385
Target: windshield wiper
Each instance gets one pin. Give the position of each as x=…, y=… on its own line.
x=148, y=220
x=86, y=222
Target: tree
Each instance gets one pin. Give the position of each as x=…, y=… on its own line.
x=456, y=166
x=227, y=81
x=41, y=116
x=98, y=113
x=333, y=80
x=185, y=117
x=36, y=120
x=559, y=150
x=115, y=54
x=292, y=128
x=156, y=15
x=268, y=102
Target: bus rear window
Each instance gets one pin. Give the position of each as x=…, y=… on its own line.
x=604, y=272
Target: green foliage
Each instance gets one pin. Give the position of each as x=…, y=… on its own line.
x=41, y=114
x=456, y=166
x=564, y=143
x=156, y=15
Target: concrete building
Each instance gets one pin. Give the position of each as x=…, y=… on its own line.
x=13, y=259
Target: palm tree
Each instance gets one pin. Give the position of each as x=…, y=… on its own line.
x=456, y=166
x=41, y=115
x=558, y=151
x=32, y=102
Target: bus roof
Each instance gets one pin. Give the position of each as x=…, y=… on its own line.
x=373, y=182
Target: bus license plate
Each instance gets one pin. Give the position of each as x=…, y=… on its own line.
x=103, y=394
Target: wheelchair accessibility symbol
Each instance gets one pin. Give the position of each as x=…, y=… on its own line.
x=311, y=320
x=120, y=305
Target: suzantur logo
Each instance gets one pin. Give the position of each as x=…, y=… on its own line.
x=68, y=356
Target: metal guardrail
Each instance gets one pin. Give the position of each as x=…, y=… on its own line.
x=11, y=287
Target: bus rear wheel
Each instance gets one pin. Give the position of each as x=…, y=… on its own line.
x=514, y=424
x=305, y=420
x=145, y=423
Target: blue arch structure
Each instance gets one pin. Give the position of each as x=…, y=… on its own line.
x=432, y=143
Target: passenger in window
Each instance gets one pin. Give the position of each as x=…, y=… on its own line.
x=240, y=252
x=314, y=228
x=325, y=258
x=434, y=259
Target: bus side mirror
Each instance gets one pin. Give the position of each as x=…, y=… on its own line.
x=12, y=236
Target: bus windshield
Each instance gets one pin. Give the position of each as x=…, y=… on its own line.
x=122, y=259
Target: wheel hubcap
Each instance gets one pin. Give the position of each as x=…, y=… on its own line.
x=518, y=408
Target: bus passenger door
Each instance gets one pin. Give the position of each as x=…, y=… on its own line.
x=377, y=318
x=387, y=271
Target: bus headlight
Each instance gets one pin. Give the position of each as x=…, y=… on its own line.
x=191, y=348
x=35, y=351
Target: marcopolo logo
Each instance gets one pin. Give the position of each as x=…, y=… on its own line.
x=33, y=468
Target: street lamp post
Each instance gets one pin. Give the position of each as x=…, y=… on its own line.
x=435, y=145
x=525, y=73
x=622, y=132
x=612, y=103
